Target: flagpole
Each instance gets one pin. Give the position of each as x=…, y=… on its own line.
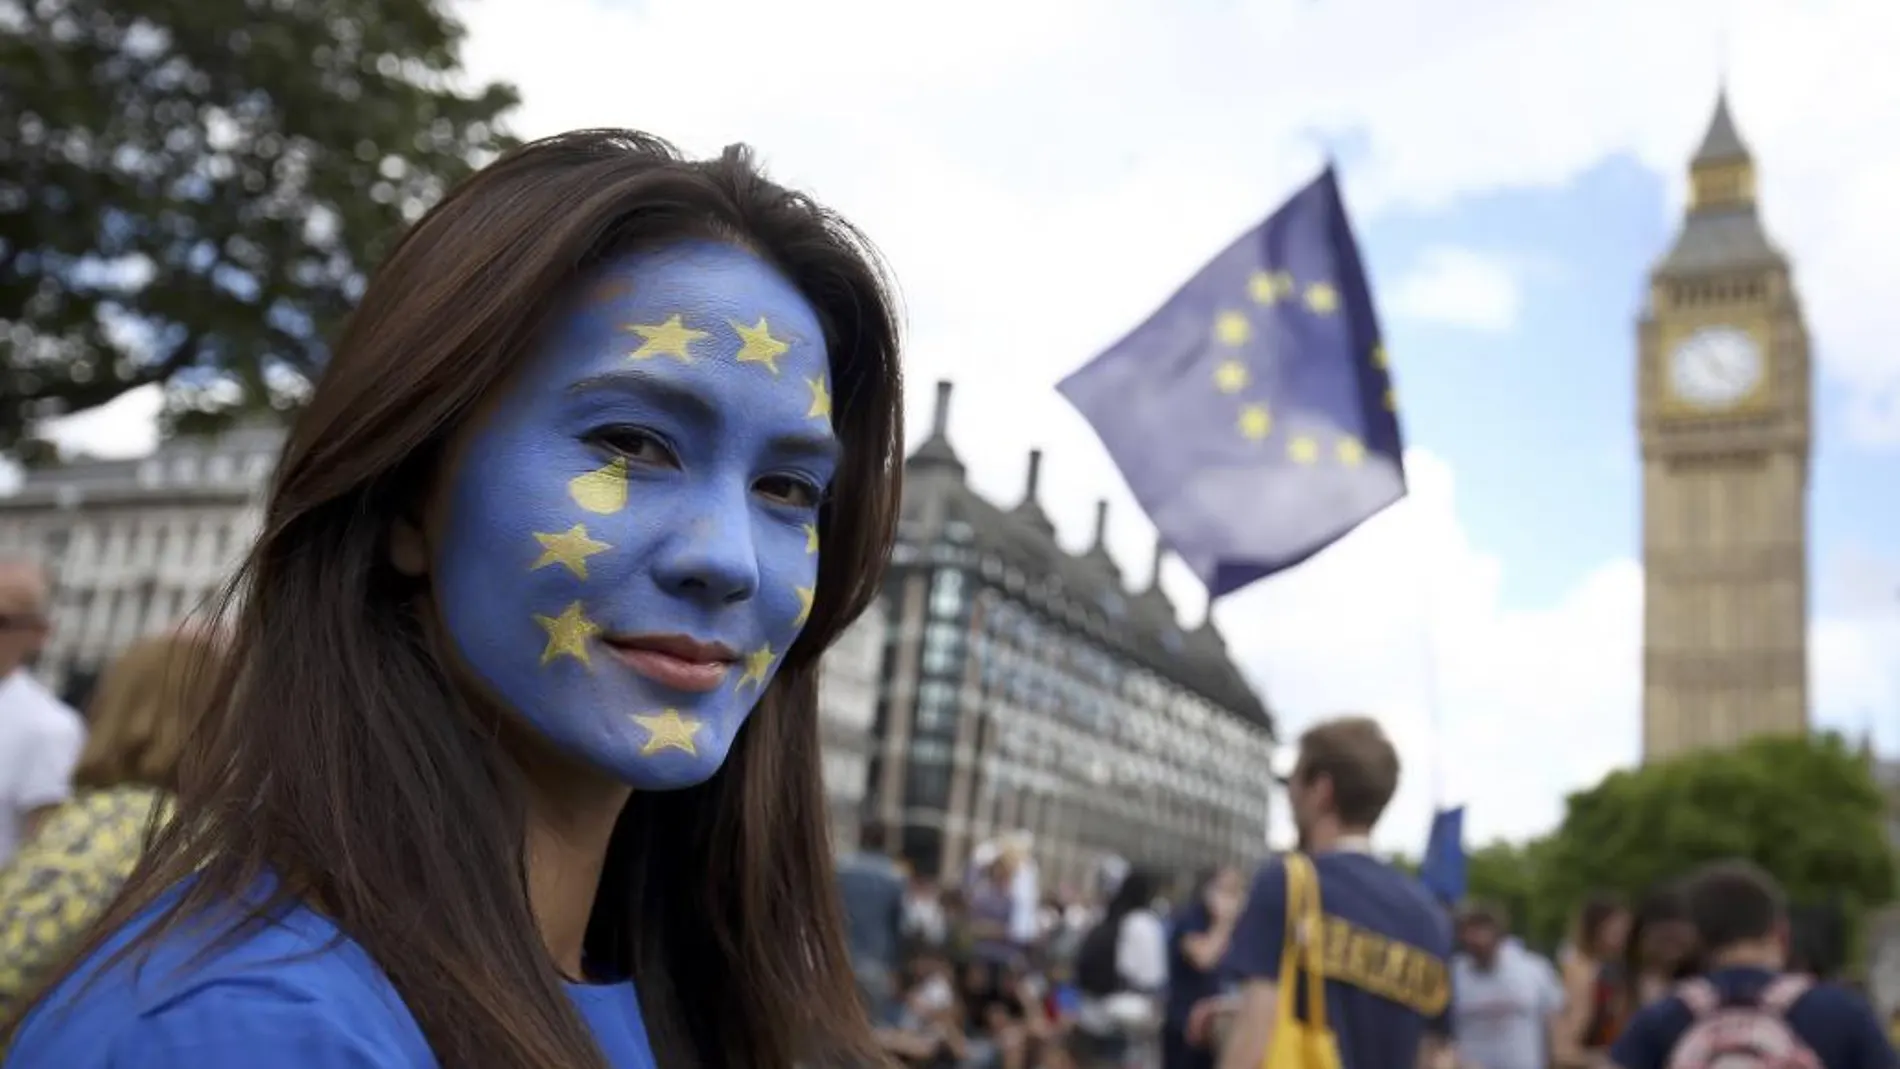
x=1428, y=645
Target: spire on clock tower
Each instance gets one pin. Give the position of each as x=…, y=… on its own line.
x=1722, y=230
x=1722, y=174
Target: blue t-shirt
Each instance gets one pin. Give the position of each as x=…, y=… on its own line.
x=1386, y=945
x=1835, y=1023
x=1188, y=984
x=294, y=995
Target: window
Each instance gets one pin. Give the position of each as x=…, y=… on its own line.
x=946, y=595
x=927, y=786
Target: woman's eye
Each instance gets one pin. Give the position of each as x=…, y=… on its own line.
x=636, y=445
x=788, y=490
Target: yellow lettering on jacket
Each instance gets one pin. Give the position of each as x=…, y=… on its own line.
x=1385, y=967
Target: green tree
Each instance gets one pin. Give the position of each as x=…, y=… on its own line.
x=1511, y=875
x=1805, y=809
x=192, y=191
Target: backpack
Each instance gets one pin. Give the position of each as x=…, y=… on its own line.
x=1097, y=961
x=1752, y=1035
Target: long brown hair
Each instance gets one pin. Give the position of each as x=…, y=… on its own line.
x=341, y=760
x=138, y=719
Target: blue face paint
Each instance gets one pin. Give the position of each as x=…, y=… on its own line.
x=643, y=501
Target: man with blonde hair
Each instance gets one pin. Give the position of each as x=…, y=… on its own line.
x=1383, y=944
x=40, y=736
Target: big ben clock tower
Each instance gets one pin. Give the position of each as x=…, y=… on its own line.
x=1723, y=417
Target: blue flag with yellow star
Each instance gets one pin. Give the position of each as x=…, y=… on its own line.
x=1253, y=415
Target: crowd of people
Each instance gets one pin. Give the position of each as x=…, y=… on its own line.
x=1179, y=972
x=502, y=751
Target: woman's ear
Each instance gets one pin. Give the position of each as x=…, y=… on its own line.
x=409, y=548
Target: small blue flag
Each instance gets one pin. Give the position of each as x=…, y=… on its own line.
x=1253, y=415
x=1443, y=870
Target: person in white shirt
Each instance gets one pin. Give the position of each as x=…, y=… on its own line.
x=1506, y=1001
x=40, y=736
x=1122, y=969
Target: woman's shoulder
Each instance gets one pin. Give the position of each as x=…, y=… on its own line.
x=218, y=990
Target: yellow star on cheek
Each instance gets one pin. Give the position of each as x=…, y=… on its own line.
x=1391, y=400
x=569, y=549
x=602, y=491
x=811, y=538
x=1231, y=376
x=568, y=634
x=757, y=663
x=1232, y=328
x=820, y=398
x=671, y=338
x=1321, y=298
x=758, y=346
x=1303, y=450
x=668, y=731
x=805, y=596
x=1378, y=356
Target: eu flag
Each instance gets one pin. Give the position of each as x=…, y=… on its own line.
x=1443, y=870
x=1252, y=415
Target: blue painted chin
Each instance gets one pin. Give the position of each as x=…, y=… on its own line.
x=587, y=703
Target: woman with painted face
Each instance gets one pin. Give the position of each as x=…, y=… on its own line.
x=516, y=763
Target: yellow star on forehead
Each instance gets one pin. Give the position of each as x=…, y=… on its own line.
x=668, y=731
x=1232, y=328
x=1378, y=356
x=1255, y=422
x=671, y=338
x=1322, y=298
x=758, y=346
x=805, y=596
x=602, y=491
x=567, y=634
x=1350, y=452
x=1303, y=450
x=757, y=663
x=820, y=398
x=569, y=549
x=1231, y=376
x=811, y=538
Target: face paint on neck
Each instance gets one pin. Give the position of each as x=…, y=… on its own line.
x=631, y=542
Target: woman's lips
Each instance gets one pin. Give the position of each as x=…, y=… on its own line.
x=675, y=662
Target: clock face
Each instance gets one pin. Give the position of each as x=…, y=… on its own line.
x=1715, y=367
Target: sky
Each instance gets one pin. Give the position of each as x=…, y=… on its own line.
x=1041, y=175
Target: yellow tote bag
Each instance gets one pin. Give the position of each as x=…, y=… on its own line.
x=1298, y=1044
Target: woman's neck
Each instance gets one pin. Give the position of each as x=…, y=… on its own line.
x=571, y=815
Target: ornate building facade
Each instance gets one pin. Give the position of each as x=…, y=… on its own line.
x=1724, y=420
x=1026, y=688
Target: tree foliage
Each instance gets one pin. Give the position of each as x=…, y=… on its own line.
x=192, y=191
x=1806, y=809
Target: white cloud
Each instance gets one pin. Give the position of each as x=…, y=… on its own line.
x=126, y=427
x=1502, y=709
x=1042, y=174
x=1459, y=287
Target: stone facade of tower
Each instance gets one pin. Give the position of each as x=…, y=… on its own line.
x=1724, y=419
